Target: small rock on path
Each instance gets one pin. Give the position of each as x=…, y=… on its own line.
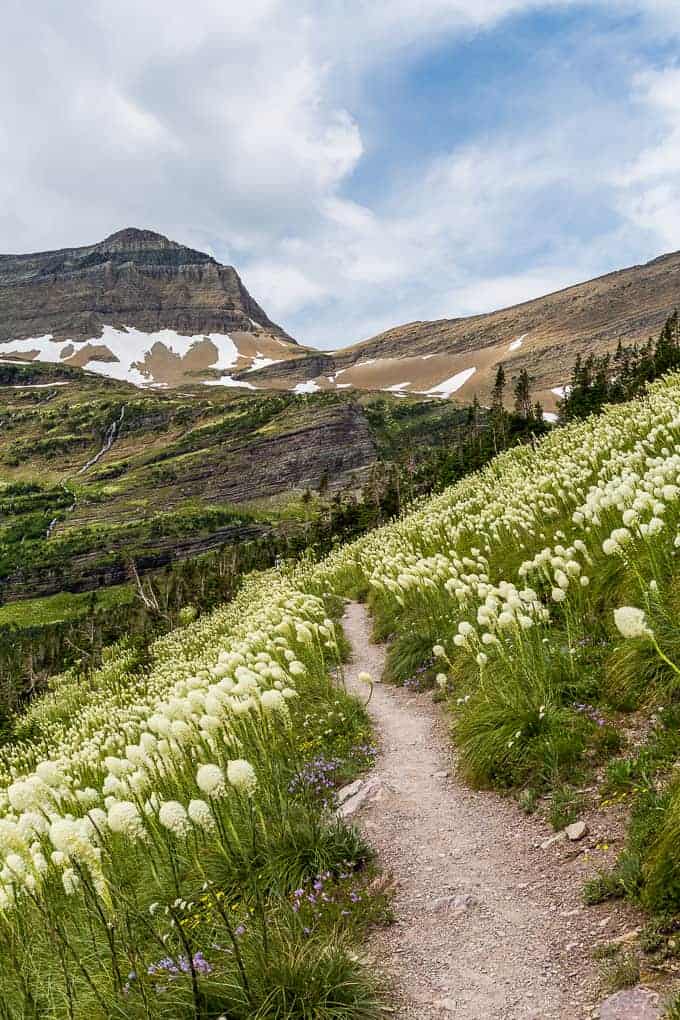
x=485, y=926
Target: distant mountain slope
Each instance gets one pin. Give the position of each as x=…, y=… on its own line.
x=99, y=470
x=140, y=308
x=460, y=356
x=137, y=307
x=106, y=487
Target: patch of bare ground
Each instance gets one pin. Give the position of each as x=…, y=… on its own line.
x=490, y=922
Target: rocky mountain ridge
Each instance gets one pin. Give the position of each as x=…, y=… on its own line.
x=460, y=356
x=163, y=312
x=132, y=278
x=144, y=309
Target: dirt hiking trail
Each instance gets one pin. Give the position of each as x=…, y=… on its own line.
x=488, y=925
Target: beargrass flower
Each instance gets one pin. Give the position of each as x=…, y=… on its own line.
x=211, y=780
x=632, y=622
x=273, y=702
x=201, y=815
x=242, y=777
x=173, y=816
x=70, y=881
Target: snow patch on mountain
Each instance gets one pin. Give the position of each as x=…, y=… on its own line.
x=228, y=380
x=259, y=361
x=449, y=386
x=38, y=385
x=130, y=348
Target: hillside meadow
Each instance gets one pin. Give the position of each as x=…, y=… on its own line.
x=167, y=836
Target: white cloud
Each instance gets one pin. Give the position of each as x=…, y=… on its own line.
x=658, y=91
x=200, y=120
x=648, y=187
x=454, y=241
x=237, y=128
x=495, y=292
x=287, y=287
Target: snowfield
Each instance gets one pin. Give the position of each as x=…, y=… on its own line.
x=449, y=386
x=131, y=349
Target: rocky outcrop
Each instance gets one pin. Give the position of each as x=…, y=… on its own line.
x=288, y=373
x=632, y=1004
x=164, y=457
x=333, y=445
x=133, y=278
x=93, y=571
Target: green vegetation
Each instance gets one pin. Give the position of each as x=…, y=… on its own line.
x=540, y=595
x=176, y=495
x=622, y=971
x=565, y=806
x=207, y=876
x=435, y=443
x=606, y=379
x=543, y=593
x=64, y=607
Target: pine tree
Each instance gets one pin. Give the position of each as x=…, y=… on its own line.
x=666, y=353
x=498, y=412
x=522, y=393
x=498, y=389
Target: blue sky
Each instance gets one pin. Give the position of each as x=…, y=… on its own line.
x=361, y=164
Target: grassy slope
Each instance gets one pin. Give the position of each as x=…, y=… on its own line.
x=115, y=932
x=183, y=466
x=504, y=589
x=199, y=486
x=123, y=503
x=503, y=554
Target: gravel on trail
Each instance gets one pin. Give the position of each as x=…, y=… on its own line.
x=488, y=924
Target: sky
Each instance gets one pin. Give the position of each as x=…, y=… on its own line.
x=362, y=164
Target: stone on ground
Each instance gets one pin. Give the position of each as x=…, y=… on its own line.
x=631, y=1004
x=576, y=831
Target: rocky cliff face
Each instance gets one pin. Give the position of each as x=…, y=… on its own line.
x=160, y=476
x=138, y=300
x=133, y=278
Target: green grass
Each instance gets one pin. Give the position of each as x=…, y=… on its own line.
x=273, y=897
x=623, y=971
x=516, y=572
x=63, y=607
x=566, y=804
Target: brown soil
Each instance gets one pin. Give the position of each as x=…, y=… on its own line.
x=488, y=924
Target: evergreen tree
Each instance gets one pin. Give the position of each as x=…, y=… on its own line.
x=604, y=380
x=497, y=394
x=498, y=412
x=522, y=394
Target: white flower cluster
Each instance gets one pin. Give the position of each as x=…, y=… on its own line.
x=493, y=554
x=109, y=770
x=632, y=622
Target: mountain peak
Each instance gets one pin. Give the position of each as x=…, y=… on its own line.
x=134, y=239
x=112, y=304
